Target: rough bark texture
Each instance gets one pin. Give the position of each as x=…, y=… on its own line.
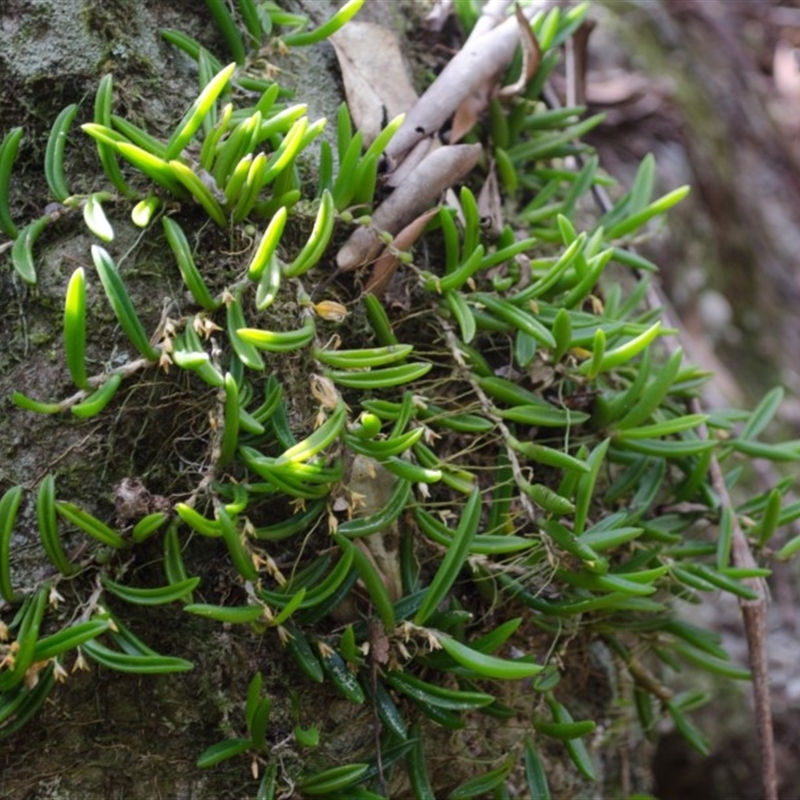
x=106, y=735
x=695, y=84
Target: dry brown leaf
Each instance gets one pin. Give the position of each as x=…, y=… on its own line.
x=441, y=169
x=379, y=647
x=469, y=112
x=375, y=79
x=387, y=262
x=531, y=56
x=577, y=64
x=490, y=206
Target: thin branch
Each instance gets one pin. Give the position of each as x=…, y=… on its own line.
x=486, y=407
x=441, y=169
x=482, y=59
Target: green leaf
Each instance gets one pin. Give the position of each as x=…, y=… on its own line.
x=575, y=747
x=789, y=549
x=642, y=187
x=711, y=664
x=586, y=484
x=612, y=359
x=151, y=597
x=670, y=448
x=193, y=119
x=636, y=220
x=95, y=217
x=535, y=776
x=343, y=15
x=74, y=635
x=454, y=559
x=144, y=664
x=8, y=154
x=666, y=428
x=189, y=272
x=221, y=751
x=29, y=404
x=22, y=249
x=121, y=302
x=259, y=721
x=228, y=28
x=333, y=779
x=488, y=665
x=9, y=505
x=786, y=451
x=75, y=328
x=686, y=729
x=763, y=413
x=565, y=731
x=89, y=524
x=482, y=784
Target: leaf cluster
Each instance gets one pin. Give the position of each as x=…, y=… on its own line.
x=528, y=447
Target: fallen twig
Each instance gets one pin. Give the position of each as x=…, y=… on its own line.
x=482, y=59
x=437, y=172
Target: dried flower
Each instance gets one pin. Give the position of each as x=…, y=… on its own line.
x=331, y=311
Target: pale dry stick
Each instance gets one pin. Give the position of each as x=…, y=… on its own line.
x=439, y=171
x=412, y=159
x=90, y=606
x=754, y=614
x=493, y=13
x=576, y=61
x=478, y=62
x=481, y=61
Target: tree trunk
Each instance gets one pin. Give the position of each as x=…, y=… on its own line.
x=104, y=734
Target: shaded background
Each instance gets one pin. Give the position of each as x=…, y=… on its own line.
x=712, y=89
